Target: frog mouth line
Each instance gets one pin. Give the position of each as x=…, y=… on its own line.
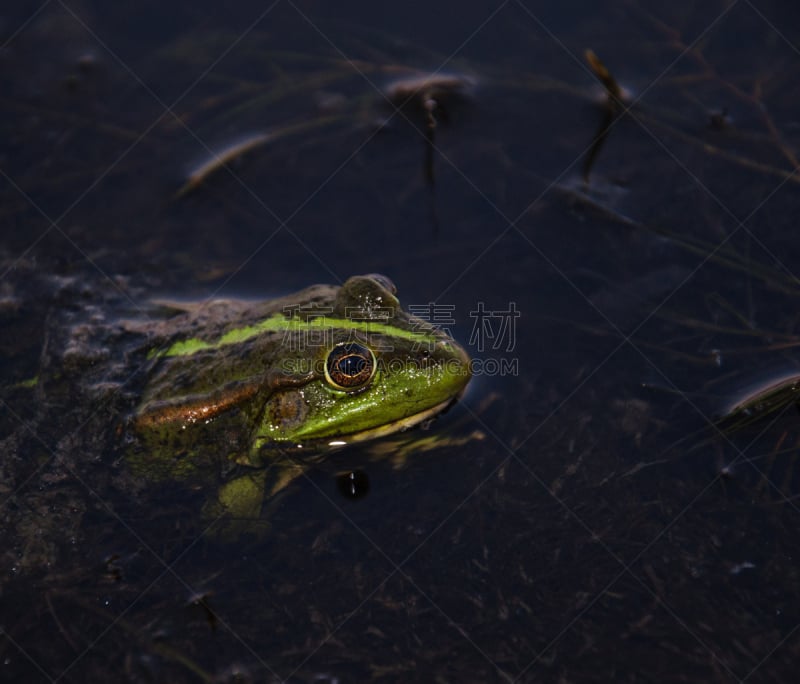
x=396, y=426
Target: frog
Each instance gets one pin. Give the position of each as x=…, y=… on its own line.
x=230, y=400
x=255, y=392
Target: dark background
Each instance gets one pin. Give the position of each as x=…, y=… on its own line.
x=603, y=528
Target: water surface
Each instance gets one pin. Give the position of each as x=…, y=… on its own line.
x=589, y=521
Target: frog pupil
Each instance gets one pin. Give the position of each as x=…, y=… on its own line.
x=351, y=365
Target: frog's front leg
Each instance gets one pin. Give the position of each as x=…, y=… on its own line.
x=236, y=508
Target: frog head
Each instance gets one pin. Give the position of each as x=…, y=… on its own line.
x=372, y=369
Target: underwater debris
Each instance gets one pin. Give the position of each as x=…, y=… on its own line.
x=616, y=94
x=219, y=160
x=419, y=90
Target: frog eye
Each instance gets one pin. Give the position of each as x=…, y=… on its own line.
x=349, y=366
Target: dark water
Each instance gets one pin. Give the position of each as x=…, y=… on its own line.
x=602, y=528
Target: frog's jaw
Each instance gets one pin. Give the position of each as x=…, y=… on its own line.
x=390, y=428
x=323, y=433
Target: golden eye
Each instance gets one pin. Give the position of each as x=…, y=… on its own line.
x=349, y=366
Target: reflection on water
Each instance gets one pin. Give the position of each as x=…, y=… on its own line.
x=584, y=516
